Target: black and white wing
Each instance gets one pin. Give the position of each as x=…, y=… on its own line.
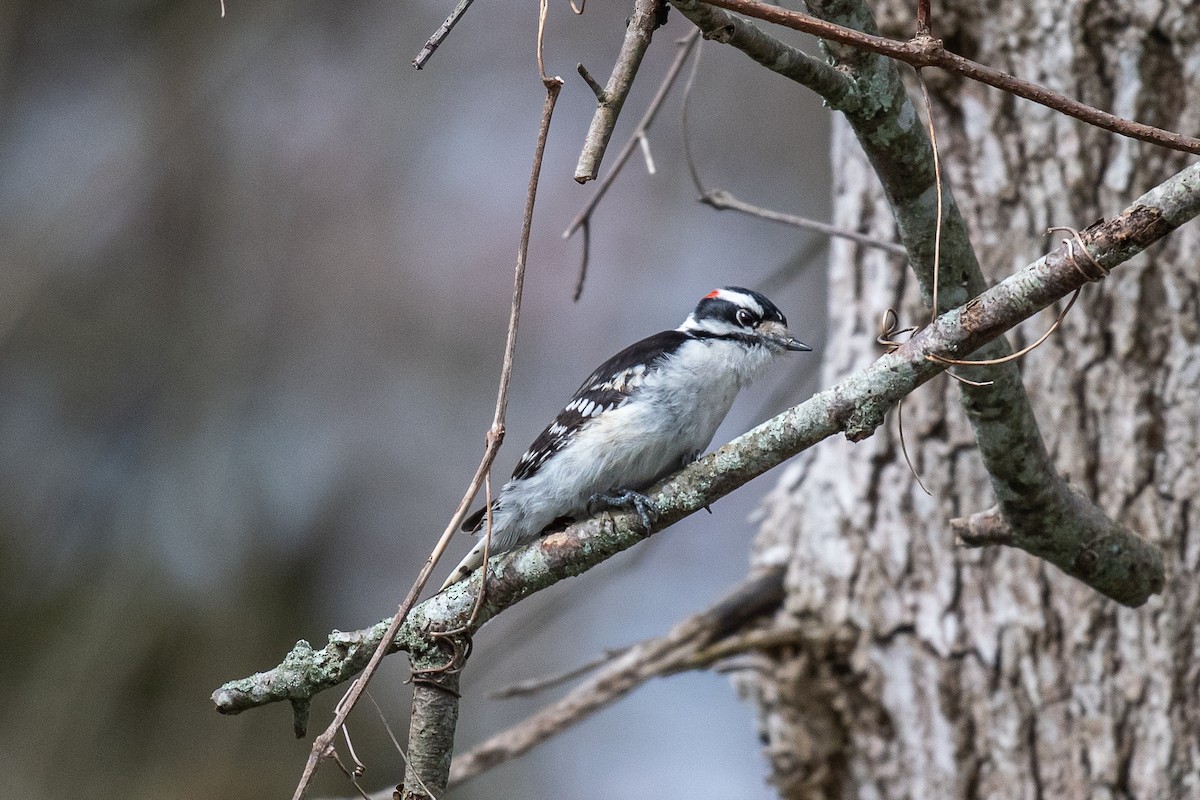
x=612, y=383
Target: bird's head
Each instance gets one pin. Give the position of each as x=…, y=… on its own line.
x=743, y=315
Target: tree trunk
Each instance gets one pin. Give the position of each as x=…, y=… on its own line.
x=933, y=670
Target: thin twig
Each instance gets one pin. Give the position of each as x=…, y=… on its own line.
x=541, y=42
x=396, y=742
x=638, y=32
x=904, y=448
x=592, y=83
x=351, y=776
x=586, y=227
x=322, y=746
x=929, y=52
x=685, y=123
x=720, y=199
x=441, y=33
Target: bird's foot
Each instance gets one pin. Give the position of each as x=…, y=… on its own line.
x=626, y=498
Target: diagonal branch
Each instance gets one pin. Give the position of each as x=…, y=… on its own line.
x=435, y=689
x=648, y=15
x=439, y=36
x=1127, y=568
x=721, y=200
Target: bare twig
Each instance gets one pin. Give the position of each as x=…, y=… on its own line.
x=592, y=83
x=441, y=33
x=646, y=18
x=722, y=200
x=584, y=259
x=395, y=743
x=583, y=218
x=925, y=51
x=643, y=127
x=322, y=746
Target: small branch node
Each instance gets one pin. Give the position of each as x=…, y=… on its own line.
x=592, y=83
x=982, y=528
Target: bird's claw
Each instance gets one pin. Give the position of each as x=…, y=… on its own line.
x=646, y=510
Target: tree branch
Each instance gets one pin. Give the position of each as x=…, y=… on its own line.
x=647, y=16
x=1126, y=568
x=925, y=51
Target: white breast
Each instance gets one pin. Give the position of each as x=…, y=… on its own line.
x=676, y=413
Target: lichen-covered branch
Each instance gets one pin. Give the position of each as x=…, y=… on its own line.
x=1125, y=568
x=431, y=735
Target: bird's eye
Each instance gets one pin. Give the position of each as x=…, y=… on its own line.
x=744, y=318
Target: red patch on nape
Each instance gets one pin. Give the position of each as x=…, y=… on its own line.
x=712, y=294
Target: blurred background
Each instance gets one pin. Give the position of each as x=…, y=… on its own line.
x=256, y=272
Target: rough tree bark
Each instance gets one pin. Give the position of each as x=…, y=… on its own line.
x=933, y=670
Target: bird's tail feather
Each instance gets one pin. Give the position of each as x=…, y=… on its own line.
x=471, y=562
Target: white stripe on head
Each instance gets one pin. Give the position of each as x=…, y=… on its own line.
x=738, y=298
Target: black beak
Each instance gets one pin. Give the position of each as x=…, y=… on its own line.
x=797, y=346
